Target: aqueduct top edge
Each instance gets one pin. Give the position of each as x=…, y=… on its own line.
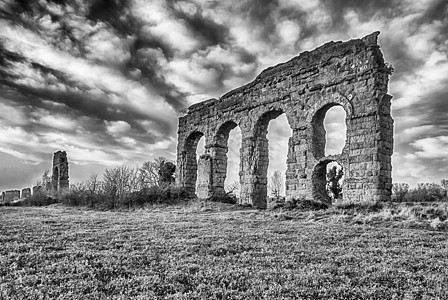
x=318, y=56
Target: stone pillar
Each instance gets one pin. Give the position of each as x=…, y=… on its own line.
x=255, y=161
x=188, y=171
x=205, y=177
x=187, y=165
x=371, y=146
x=384, y=142
x=219, y=169
x=297, y=163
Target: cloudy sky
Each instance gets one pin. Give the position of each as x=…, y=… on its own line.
x=104, y=80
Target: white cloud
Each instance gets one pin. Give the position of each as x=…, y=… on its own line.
x=307, y=6
x=289, y=31
x=159, y=22
x=58, y=122
x=150, y=12
x=432, y=147
x=412, y=132
x=107, y=47
x=407, y=168
x=99, y=79
x=189, y=75
x=186, y=7
x=117, y=127
x=11, y=115
x=27, y=157
x=429, y=78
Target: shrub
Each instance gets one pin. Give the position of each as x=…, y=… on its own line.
x=39, y=199
x=302, y=204
x=167, y=194
x=365, y=206
x=399, y=191
x=225, y=198
x=426, y=192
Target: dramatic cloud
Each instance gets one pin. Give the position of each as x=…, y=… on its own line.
x=105, y=79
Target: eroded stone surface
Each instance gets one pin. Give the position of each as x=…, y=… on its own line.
x=59, y=178
x=351, y=74
x=9, y=196
x=26, y=193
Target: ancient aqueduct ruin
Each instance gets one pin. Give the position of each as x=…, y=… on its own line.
x=59, y=181
x=350, y=74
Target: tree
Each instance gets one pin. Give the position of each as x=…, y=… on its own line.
x=334, y=187
x=276, y=184
x=166, y=173
x=444, y=184
x=93, y=184
x=119, y=182
x=46, y=181
x=399, y=191
x=149, y=172
x=233, y=188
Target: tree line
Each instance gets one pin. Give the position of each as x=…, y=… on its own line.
x=122, y=186
x=424, y=192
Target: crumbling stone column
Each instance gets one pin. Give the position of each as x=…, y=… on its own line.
x=60, y=178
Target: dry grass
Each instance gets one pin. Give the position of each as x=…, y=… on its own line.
x=215, y=251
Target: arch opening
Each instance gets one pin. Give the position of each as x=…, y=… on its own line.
x=190, y=157
x=271, y=150
x=201, y=161
x=329, y=131
x=327, y=180
x=233, y=161
x=220, y=160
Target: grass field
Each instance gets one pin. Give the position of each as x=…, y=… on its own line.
x=220, y=252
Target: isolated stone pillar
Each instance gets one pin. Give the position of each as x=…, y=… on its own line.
x=60, y=177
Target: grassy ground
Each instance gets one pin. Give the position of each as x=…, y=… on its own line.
x=216, y=252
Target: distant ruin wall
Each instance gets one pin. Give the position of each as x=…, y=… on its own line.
x=59, y=181
x=60, y=177
x=9, y=196
x=26, y=193
x=350, y=74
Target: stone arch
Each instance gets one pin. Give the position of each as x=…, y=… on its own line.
x=318, y=132
x=255, y=158
x=189, y=161
x=329, y=101
x=351, y=74
x=218, y=152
